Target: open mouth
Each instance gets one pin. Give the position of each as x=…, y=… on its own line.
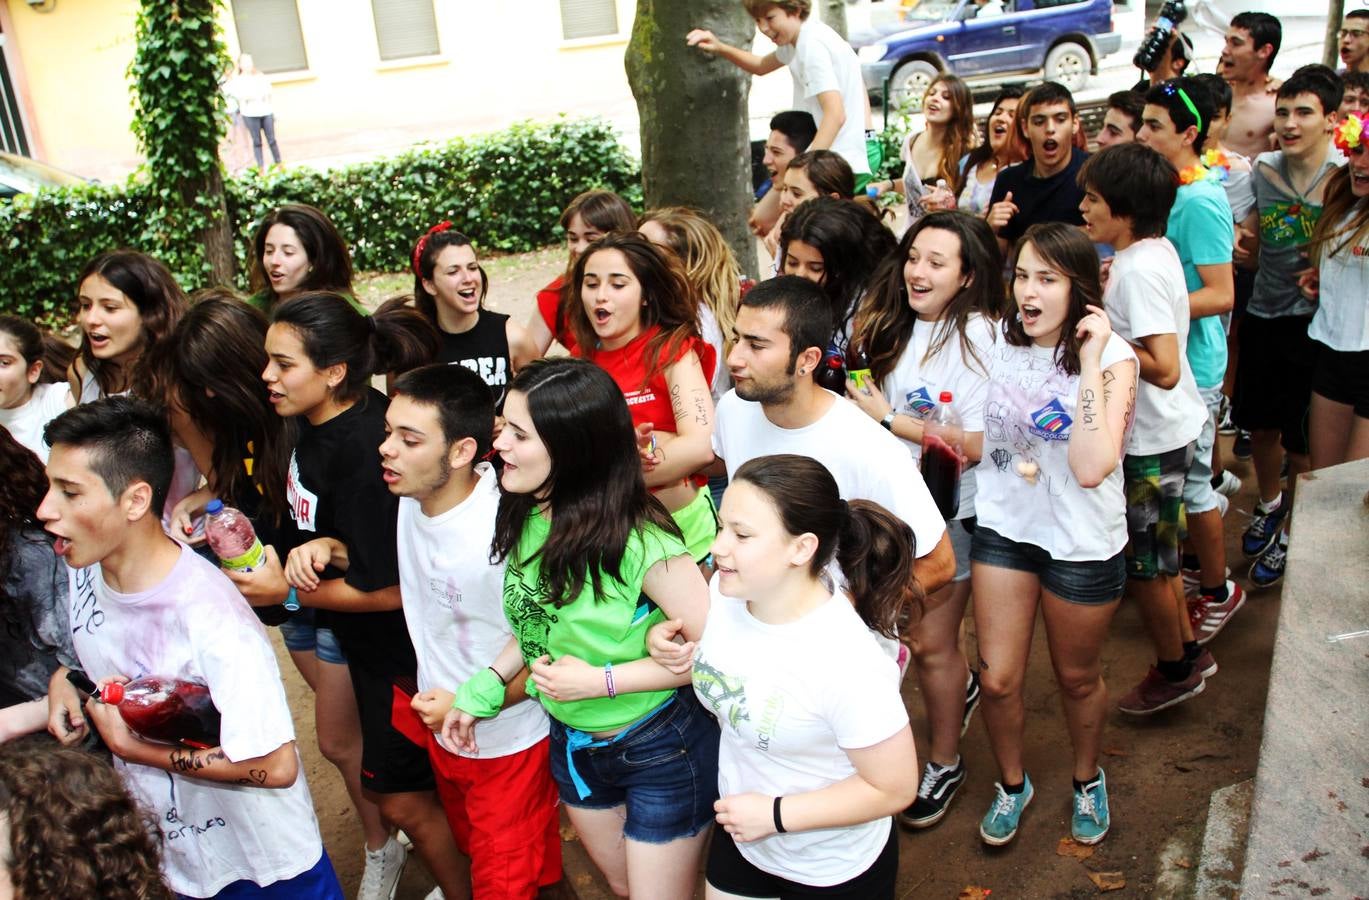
x=1359, y=179
x=468, y=293
x=97, y=340
x=274, y=397
x=1030, y=313
x=60, y=545
x=389, y=475
x=601, y=316
x=999, y=129
x=1050, y=145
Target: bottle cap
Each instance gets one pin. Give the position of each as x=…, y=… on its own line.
x=112, y=693
x=214, y=507
x=945, y=396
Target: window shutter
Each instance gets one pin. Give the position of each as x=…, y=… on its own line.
x=269, y=30
x=588, y=18
x=405, y=28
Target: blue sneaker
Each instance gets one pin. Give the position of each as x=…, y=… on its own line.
x=1264, y=530
x=1090, y=821
x=1000, y=822
x=1268, y=569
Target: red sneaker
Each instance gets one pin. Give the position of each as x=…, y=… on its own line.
x=1155, y=693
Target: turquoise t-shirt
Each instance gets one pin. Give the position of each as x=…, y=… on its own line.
x=1201, y=230
x=609, y=628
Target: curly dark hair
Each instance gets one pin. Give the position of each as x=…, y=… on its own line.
x=21, y=490
x=74, y=831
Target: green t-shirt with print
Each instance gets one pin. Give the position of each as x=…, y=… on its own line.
x=608, y=628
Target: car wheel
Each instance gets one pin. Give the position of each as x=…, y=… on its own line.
x=1069, y=64
x=909, y=82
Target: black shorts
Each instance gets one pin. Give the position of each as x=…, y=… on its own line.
x=1274, y=378
x=729, y=871
x=1243, y=280
x=1343, y=377
x=390, y=762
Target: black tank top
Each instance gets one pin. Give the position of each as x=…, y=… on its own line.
x=484, y=350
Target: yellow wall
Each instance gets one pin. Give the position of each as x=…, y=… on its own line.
x=500, y=61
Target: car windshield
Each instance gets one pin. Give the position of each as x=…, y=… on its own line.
x=930, y=11
x=19, y=174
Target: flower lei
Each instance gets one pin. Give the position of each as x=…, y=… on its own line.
x=1195, y=172
x=1217, y=163
x=1349, y=134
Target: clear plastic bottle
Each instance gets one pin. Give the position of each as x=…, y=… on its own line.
x=232, y=538
x=943, y=441
x=166, y=710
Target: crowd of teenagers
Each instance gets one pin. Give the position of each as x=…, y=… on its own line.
x=665, y=578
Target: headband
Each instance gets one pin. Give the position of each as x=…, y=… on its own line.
x=422, y=245
x=1349, y=134
x=1171, y=88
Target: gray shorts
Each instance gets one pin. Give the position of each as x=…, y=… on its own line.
x=1199, y=496
x=961, y=531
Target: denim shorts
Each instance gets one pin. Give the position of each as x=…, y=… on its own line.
x=1199, y=497
x=301, y=635
x=1087, y=583
x=665, y=771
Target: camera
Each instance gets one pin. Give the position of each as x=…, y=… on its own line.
x=1157, y=39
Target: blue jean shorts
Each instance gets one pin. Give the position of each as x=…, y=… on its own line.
x=1088, y=583
x=302, y=634
x=664, y=770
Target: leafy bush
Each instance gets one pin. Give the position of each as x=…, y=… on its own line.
x=506, y=190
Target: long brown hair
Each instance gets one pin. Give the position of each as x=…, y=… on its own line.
x=21, y=490
x=668, y=301
x=959, y=137
x=1329, y=235
x=709, y=263
x=425, y=255
x=215, y=360
x=160, y=302
x=595, y=491
x=1065, y=249
x=36, y=345
x=605, y=212
x=74, y=829
x=874, y=548
x=885, y=321
x=330, y=264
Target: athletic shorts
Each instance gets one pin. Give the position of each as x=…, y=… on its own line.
x=727, y=870
x=1199, y=496
x=502, y=811
x=663, y=771
x=698, y=522
x=1274, y=378
x=391, y=761
x=1343, y=377
x=1154, y=486
x=301, y=635
x=318, y=882
x=1088, y=583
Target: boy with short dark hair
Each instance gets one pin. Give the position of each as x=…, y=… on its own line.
x=1354, y=41
x=1355, y=98
x=1122, y=119
x=1045, y=188
x=235, y=817
x=1252, y=42
x=1274, y=374
x=791, y=133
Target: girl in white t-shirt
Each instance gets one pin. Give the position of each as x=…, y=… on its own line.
x=815, y=740
x=28, y=398
x=925, y=328
x=1052, y=516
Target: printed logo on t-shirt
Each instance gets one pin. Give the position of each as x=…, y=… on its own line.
x=86, y=614
x=303, y=502
x=445, y=593
x=1288, y=224
x=724, y=693
x=636, y=398
x=529, y=620
x=490, y=368
x=1051, y=422
x=920, y=402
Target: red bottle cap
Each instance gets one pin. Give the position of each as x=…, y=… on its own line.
x=834, y=362
x=945, y=396
x=112, y=693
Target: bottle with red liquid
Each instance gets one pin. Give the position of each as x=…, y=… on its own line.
x=943, y=440
x=166, y=710
x=831, y=374
x=234, y=541
x=858, y=367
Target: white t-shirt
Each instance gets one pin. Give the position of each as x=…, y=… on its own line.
x=713, y=334
x=867, y=462
x=1028, y=419
x=914, y=387
x=195, y=626
x=819, y=61
x=788, y=699
x=1341, y=321
x=26, y=423
x=454, y=606
x=1146, y=295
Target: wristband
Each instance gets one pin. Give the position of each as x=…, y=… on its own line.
x=291, y=601
x=482, y=695
x=779, y=823
x=501, y=678
x=608, y=680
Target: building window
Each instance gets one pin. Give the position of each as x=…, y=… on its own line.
x=269, y=30
x=588, y=18
x=405, y=28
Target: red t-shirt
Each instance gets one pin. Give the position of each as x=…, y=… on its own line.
x=627, y=367
x=548, y=304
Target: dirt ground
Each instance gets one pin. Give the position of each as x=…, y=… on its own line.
x=1161, y=771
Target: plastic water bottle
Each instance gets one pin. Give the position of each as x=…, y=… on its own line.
x=232, y=538
x=166, y=710
x=943, y=440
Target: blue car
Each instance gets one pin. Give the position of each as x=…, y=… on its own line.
x=1064, y=39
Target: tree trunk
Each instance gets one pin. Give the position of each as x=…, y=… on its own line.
x=218, y=234
x=696, y=147
x=834, y=14
x=1330, y=54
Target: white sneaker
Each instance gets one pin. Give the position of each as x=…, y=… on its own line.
x=436, y=894
x=1223, y=503
x=383, y=868
x=1230, y=486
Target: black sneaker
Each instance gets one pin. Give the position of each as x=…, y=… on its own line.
x=934, y=795
x=1240, y=447
x=971, y=701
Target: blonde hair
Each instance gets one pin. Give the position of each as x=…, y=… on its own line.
x=758, y=8
x=710, y=265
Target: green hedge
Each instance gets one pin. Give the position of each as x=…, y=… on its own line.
x=506, y=190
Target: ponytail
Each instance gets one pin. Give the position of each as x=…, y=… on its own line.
x=875, y=548
x=395, y=338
